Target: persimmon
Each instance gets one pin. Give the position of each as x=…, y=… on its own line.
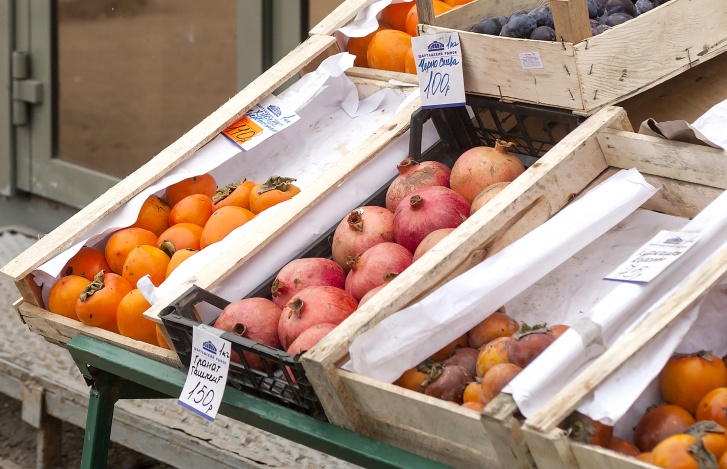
x=497, y=378
x=195, y=208
x=686, y=379
x=584, y=429
x=476, y=406
x=387, y=50
x=182, y=236
x=412, y=18
x=473, y=393
x=64, y=294
x=153, y=215
x=237, y=194
x=131, y=321
x=412, y=379
x=676, y=451
x=456, y=3
x=647, y=457
x=177, y=258
x=493, y=353
x=359, y=45
x=146, y=260
x=723, y=461
x=122, y=242
x=659, y=423
x=450, y=349
x=272, y=192
x=493, y=326
x=713, y=406
x=410, y=65
x=203, y=184
x=558, y=330
x=394, y=15
x=161, y=341
x=223, y=222
x=87, y=262
x=97, y=304
x=623, y=446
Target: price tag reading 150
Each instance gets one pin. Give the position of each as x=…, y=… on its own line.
x=438, y=60
x=208, y=367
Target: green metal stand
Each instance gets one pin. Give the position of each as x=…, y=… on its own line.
x=114, y=373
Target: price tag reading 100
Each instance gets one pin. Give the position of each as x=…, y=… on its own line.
x=208, y=367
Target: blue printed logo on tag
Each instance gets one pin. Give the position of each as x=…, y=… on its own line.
x=274, y=109
x=676, y=240
x=435, y=46
x=210, y=347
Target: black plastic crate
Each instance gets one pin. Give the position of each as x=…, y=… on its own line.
x=284, y=380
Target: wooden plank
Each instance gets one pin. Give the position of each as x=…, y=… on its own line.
x=339, y=17
x=382, y=75
x=54, y=242
x=571, y=20
x=661, y=157
x=683, y=298
x=602, y=458
x=503, y=430
x=409, y=409
x=550, y=450
x=465, y=16
x=60, y=330
x=32, y=403
x=681, y=199
x=30, y=291
x=492, y=67
x=425, y=11
x=48, y=443
x=620, y=63
x=561, y=172
x=316, y=62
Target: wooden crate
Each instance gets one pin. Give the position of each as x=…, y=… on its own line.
x=437, y=429
x=60, y=330
x=341, y=16
x=580, y=72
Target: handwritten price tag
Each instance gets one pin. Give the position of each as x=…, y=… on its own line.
x=205, y=384
x=261, y=122
x=655, y=256
x=438, y=59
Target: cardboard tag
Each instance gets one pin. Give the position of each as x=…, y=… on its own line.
x=438, y=59
x=654, y=256
x=207, y=376
x=261, y=122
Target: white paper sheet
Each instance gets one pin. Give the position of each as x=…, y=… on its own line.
x=365, y=22
x=713, y=124
x=413, y=334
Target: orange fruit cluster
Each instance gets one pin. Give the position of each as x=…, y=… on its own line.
x=98, y=286
x=389, y=47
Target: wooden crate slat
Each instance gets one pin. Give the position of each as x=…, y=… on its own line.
x=342, y=15
x=602, y=458
x=54, y=242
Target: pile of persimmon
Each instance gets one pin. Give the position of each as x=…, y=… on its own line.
x=99, y=286
x=389, y=47
x=473, y=369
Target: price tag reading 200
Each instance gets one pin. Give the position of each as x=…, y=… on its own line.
x=438, y=60
x=208, y=367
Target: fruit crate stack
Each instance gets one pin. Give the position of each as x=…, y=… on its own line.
x=580, y=71
x=500, y=437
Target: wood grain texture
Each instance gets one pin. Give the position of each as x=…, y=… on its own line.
x=503, y=431
x=425, y=11
x=571, y=20
x=661, y=157
x=59, y=330
x=341, y=16
x=492, y=67
x=30, y=291
x=622, y=62
x=464, y=17
x=54, y=242
x=551, y=450
x=382, y=75
x=602, y=458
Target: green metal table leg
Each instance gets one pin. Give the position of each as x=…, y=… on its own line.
x=103, y=397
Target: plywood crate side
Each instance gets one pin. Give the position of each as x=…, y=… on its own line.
x=463, y=17
x=60, y=238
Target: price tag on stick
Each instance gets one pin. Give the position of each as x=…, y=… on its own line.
x=207, y=376
x=438, y=60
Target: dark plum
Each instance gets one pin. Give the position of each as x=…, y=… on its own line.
x=659, y=2
x=642, y=6
x=487, y=26
x=601, y=28
x=543, y=16
x=503, y=19
x=520, y=12
x=620, y=6
x=520, y=26
x=543, y=33
x=602, y=19
x=592, y=8
x=618, y=18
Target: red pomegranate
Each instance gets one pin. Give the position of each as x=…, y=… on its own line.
x=363, y=228
x=480, y=167
x=430, y=241
x=372, y=269
x=310, y=337
x=413, y=176
x=305, y=272
x=487, y=194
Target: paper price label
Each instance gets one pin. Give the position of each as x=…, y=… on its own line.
x=438, y=60
x=242, y=130
x=654, y=256
x=207, y=376
x=261, y=122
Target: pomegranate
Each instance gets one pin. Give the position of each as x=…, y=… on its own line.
x=430, y=241
x=527, y=344
x=426, y=210
x=309, y=337
x=372, y=269
x=362, y=229
x=480, y=167
x=387, y=278
x=255, y=319
x=311, y=306
x=413, y=176
x=306, y=272
x=487, y=194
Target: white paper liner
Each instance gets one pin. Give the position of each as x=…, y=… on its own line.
x=305, y=150
x=404, y=339
x=365, y=22
x=713, y=124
